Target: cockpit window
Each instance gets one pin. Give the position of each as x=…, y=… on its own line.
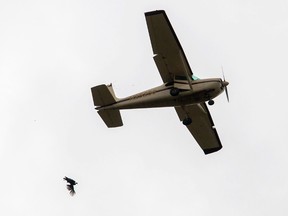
x=177, y=77
x=194, y=77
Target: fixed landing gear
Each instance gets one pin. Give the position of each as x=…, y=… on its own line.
x=187, y=121
x=174, y=92
x=211, y=102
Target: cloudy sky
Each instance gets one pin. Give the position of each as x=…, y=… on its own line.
x=52, y=53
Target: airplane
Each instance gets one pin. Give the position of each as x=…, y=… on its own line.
x=181, y=89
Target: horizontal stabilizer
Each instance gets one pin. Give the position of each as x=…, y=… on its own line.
x=112, y=118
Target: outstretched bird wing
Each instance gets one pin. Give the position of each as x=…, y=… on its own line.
x=70, y=181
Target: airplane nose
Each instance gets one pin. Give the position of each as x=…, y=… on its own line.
x=225, y=83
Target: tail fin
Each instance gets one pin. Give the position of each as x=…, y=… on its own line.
x=104, y=95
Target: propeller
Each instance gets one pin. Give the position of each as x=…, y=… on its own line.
x=225, y=84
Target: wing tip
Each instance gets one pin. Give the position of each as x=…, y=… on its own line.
x=156, y=12
x=212, y=150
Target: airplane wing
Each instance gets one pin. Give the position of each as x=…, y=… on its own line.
x=202, y=126
x=169, y=55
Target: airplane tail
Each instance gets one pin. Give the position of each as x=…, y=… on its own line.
x=103, y=95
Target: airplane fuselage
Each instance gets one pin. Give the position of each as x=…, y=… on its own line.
x=197, y=91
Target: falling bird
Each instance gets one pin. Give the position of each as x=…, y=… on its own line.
x=70, y=185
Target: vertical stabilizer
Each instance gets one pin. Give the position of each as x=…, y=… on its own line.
x=103, y=95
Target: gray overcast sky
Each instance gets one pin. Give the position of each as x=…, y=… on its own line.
x=52, y=53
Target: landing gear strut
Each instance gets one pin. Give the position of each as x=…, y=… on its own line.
x=187, y=121
x=174, y=92
x=210, y=102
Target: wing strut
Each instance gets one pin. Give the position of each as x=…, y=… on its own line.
x=186, y=70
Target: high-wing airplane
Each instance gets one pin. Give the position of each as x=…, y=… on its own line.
x=180, y=89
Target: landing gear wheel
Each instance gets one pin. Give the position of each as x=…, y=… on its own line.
x=187, y=121
x=210, y=102
x=174, y=92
